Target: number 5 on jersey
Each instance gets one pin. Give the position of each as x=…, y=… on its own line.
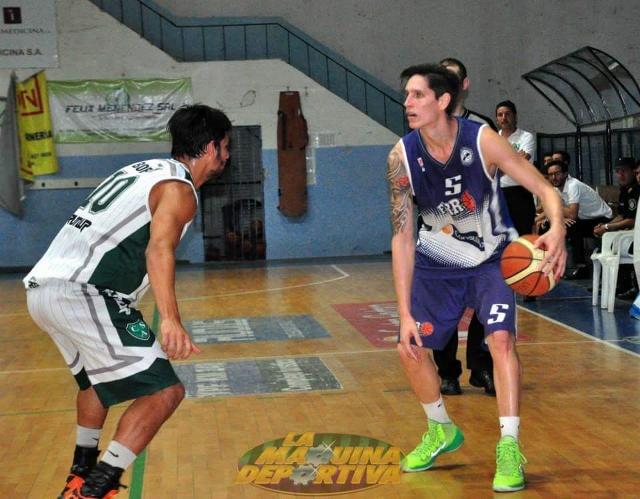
x=497, y=313
x=453, y=185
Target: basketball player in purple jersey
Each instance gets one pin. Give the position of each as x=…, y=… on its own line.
x=450, y=165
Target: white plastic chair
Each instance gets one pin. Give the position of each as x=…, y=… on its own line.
x=610, y=266
x=615, y=252
x=608, y=247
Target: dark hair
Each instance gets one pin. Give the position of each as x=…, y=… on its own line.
x=625, y=162
x=439, y=79
x=192, y=127
x=566, y=157
x=452, y=61
x=558, y=162
x=507, y=103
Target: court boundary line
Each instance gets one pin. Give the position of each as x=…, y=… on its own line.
x=609, y=343
x=138, y=468
x=235, y=359
x=588, y=339
x=139, y=464
x=343, y=275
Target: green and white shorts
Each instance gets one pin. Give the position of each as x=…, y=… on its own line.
x=105, y=342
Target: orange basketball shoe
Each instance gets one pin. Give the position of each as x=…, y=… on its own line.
x=103, y=482
x=84, y=459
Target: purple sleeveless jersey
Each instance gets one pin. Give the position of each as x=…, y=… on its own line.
x=464, y=226
x=463, y=218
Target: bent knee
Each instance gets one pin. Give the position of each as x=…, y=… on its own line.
x=401, y=352
x=408, y=359
x=502, y=342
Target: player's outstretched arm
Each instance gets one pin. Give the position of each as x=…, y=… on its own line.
x=402, y=246
x=498, y=153
x=172, y=206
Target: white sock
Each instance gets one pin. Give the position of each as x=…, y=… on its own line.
x=509, y=426
x=87, y=437
x=436, y=411
x=118, y=455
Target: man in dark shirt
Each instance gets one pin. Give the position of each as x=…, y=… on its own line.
x=626, y=217
x=628, y=200
x=478, y=356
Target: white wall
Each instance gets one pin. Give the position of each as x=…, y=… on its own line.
x=350, y=176
x=498, y=40
x=93, y=45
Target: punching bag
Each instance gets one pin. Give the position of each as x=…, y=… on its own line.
x=292, y=165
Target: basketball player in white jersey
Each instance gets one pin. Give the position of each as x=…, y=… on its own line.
x=84, y=290
x=450, y=165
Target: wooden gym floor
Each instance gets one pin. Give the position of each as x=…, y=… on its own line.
x=580, y=429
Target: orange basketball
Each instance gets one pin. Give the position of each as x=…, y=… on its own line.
x=519, y=266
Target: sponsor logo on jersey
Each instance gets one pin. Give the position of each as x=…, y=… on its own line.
x=468, y=201
x=138, y=330
x=452, y=207
x=425, y=328
x=144, y=167
x=32, y=283
x=632, y=204
x=421, y=163
x=469, y=237
x=456, y=206
x=122, y=303
x=78, y=222
x=466, y=156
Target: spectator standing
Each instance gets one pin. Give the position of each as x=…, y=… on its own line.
x=519, y=200
x=478, y=356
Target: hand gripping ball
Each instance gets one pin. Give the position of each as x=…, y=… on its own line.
x=519, y=265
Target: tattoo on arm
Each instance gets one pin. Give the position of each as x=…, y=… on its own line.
x=400, y=189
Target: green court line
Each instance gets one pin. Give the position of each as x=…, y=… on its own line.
x=137, y=476
x=137, y=472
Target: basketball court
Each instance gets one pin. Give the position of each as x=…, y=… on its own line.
x=309, y=348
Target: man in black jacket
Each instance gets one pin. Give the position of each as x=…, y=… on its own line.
x=478, y=356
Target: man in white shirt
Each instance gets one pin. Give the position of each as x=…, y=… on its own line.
x=583, y=210
x=519, y=200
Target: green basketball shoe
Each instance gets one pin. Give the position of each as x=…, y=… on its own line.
x=509, y=466
x=440, y=438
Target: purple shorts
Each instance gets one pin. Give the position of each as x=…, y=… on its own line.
x=438, y=304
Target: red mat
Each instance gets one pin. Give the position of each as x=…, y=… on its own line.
x=379, y=323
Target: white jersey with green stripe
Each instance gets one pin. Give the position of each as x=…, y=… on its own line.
x=103, y=243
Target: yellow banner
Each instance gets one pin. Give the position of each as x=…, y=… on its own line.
x=37, y=150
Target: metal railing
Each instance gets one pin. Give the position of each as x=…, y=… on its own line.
x=597, y=149
x=226, y=39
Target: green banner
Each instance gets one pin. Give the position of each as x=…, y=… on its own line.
x=128, y=110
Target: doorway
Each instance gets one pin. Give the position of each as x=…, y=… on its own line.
x=233, y=204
